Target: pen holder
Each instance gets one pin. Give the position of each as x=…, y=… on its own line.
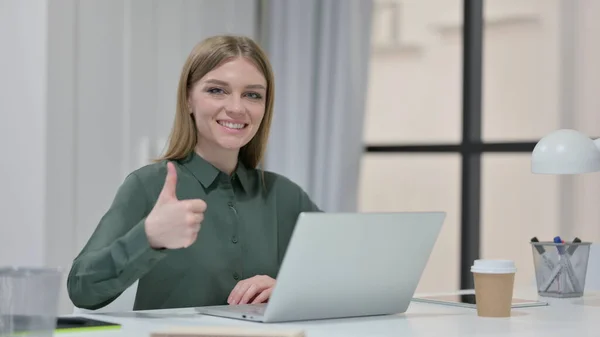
x=560, y=268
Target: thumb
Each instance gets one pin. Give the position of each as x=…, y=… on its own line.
x=168, y=190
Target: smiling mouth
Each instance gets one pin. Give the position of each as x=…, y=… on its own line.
x=232, y=126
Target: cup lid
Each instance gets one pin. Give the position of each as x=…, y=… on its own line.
x=493, y=266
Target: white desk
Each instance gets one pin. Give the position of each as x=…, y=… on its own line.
x=563, y=317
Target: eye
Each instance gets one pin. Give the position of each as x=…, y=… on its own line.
x=254, y=95
x=215, y=91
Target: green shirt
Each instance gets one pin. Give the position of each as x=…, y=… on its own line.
x=247, y=226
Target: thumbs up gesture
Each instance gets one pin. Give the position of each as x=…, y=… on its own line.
x=174, y=223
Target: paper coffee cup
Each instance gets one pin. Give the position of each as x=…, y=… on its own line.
x=494, y=283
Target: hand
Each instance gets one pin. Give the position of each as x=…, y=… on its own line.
x=253, y=290
x=173, y=223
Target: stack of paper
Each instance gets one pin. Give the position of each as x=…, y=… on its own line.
x=221, y=331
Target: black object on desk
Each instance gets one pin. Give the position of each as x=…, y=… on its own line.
x=68, y=323
x=25, y=323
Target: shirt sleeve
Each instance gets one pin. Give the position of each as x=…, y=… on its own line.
x=118, y=252
x=306, y=204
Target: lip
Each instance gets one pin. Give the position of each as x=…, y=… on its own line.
x=234, y=121
x=232, y=131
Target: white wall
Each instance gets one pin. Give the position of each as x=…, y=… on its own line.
x=23, y=131
x=130, y=56
x=584, y=198
x=88, y=94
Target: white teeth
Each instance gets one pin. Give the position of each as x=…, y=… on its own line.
x=232, y=125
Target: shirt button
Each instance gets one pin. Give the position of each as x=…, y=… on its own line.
x=230, y=204
x=234, y=239
x=236, y=276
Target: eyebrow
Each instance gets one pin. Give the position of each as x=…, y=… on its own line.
x=251, y=86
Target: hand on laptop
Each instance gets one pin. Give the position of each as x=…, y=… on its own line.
x=253, y=290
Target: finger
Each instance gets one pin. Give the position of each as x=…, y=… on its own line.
x=193, y=233
x=194, y=220
x=170, y=185
x=192, y=240
x=237, y=292
x=249, y=294
x=263, y=296
x=195, y=205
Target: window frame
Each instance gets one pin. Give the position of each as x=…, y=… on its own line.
x=472, y=147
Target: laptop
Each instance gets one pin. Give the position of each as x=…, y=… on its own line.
x=341, y=265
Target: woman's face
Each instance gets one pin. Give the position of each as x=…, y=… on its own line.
x=228, y=104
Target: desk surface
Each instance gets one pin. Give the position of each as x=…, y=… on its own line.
x=563, y=317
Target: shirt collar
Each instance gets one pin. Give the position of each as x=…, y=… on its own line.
x=243, y=175
x=206, y=173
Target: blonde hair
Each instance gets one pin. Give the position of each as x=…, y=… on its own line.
x=206, y=56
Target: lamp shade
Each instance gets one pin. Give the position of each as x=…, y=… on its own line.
x=566, y=152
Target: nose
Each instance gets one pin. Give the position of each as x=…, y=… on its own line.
x=235, y=105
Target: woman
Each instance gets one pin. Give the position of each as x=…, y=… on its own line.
x=201, y=226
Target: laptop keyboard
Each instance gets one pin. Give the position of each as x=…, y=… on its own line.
x=256, y=309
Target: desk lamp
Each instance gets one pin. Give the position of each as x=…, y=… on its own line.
x=566, y=151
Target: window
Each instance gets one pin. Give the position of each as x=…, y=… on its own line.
x=453, y=115
x=407, y=182
x=413, y=105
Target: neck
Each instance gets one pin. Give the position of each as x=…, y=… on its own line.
x=222, y=159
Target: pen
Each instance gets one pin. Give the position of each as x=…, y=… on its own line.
x=555, y=271
x=571, y=249
x=562, y=279
x=561, y=249
x=569, y=266
x=564, y=259
x=542, y=252
x=550, y=279
x=563, y=263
